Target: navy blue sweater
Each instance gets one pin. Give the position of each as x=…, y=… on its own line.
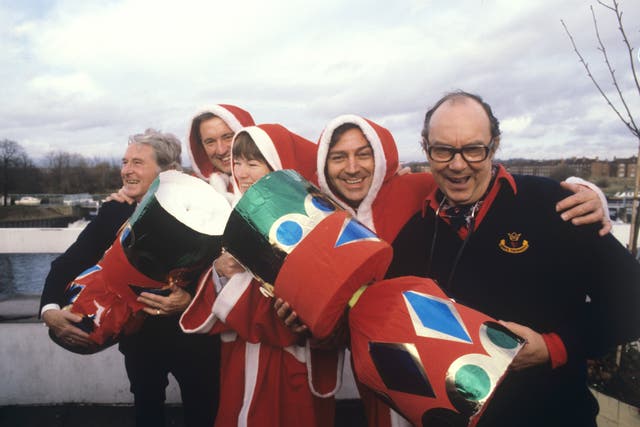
x=540, y=279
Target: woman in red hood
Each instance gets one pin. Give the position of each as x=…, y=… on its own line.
x=265, y=380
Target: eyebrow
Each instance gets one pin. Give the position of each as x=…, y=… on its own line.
x=132, y=159
x=449, y=145
x=363, y=147
x=224, y=135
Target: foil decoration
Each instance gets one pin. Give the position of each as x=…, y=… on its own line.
x=455, y=356
x=172, y=236
x=304, y=248
x=472, y=378
x=270, y=219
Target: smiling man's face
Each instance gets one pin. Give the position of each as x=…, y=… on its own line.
x=216, y=139
x=457, y=123
x=139, y=169
x=350, y=166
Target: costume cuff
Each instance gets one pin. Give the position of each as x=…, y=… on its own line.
x=229, y=296
x=556, y=348
x=48, y=307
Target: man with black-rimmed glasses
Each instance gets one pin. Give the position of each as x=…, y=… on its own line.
x=494, y=242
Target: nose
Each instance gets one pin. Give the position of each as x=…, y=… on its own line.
x=223, y=147
x=458, y=162
x=212, y=149
x=352, y=165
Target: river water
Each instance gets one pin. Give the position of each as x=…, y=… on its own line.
x=23, y=274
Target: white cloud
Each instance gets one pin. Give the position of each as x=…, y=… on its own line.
x=515, y=125
x=75, y=85
x=82, y=76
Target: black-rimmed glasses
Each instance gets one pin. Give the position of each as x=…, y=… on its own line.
x=472, y=153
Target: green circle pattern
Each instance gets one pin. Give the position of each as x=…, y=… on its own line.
x=473, y=382
x=501, y=338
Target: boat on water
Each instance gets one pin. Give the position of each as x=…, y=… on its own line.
x=28, y=201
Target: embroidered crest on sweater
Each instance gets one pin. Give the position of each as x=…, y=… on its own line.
x=515, y=244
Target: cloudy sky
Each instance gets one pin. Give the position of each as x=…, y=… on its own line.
x=81, y=76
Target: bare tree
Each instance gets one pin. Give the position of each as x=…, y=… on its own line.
x=10, y=152
x=621, y=106
x=67, y=172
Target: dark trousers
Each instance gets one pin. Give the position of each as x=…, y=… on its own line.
x=160, y=348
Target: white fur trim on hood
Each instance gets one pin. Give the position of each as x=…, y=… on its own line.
x=227, y=116
x=267, y=149
x=364, y=212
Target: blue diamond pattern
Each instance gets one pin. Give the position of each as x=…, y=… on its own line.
x=438, y=317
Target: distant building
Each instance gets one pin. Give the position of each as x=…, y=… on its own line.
x=583, y=166
x=600, y=169
x=626, y=168
x=530, y=167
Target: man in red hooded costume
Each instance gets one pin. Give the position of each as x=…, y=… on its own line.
x=209, y=143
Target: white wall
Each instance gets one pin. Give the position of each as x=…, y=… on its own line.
x=37, y=240
x=35, y=371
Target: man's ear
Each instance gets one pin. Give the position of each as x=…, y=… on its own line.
x=423, y=144
x=496, y=145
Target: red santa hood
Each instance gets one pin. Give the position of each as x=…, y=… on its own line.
x=235, y=117
x=282, y=149
x=385, y=155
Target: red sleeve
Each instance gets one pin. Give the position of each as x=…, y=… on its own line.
x=556, y=348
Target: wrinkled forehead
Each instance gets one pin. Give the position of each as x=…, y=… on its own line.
x=216, y=124
x=459, y=119
x=140, y=151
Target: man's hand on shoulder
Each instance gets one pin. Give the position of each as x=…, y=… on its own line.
x=584, y=207
x=121, y=197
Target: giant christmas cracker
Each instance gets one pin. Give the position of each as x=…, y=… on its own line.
x=431, y=359
x=172, y=236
